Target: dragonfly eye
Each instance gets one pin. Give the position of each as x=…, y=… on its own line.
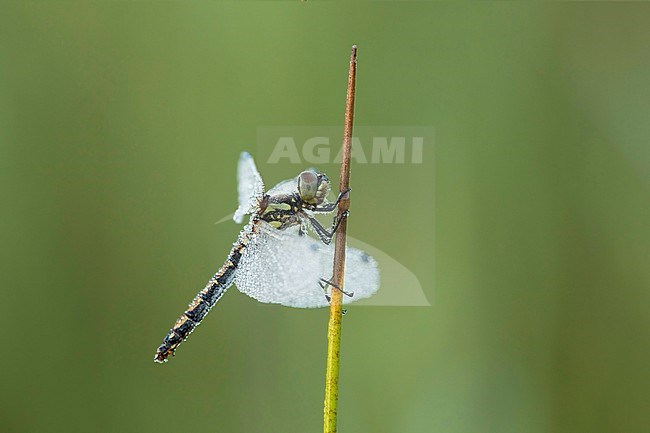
x=313, y=187
x=307, y=185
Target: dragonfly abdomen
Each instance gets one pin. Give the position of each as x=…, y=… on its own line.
x=201, y=304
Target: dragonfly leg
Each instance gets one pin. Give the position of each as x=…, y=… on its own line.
x=324, y=283
x=337, y=222
x=324, y=235
x=329, y=207
x=324, y=287
x=342, y=194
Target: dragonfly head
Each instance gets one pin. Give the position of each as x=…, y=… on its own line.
x=313, y=187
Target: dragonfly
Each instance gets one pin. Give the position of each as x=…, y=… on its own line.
x=274, y=259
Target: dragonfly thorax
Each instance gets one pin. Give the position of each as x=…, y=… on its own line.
x=291, y=202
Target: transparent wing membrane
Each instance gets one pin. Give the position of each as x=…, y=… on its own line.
x=249, y=186
x=285, y=187
x=282, y=267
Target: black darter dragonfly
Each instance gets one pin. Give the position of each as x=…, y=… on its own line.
x=273, y=259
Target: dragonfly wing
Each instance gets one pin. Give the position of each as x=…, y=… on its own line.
x=288, y=186
x=283, y=267
x=249, y=186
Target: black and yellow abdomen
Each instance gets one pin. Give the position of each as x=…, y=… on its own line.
x=201, y=304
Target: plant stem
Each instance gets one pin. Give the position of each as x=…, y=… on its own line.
x=334, y=327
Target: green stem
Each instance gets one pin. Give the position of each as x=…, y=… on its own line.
x=336, y=303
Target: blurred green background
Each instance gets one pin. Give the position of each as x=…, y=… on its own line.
x=120, y=127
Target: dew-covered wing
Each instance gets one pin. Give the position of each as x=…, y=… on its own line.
x=288, y=186
x=249, y=186
x=282, y=267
